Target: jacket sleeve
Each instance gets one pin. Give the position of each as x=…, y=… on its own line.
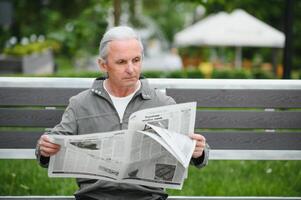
x=67, y=126
x=164, y=99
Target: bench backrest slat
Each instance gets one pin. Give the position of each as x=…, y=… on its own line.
x=18, y=139
x=29, y=118
x=204, y=119
x=217, y=140
x=248, y=119
x=36, y=96
x=237, y=98
x=253, y=140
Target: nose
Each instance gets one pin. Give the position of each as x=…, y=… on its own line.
x=130, y=68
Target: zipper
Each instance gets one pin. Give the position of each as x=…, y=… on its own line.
x=116, y=113
x=126, y=108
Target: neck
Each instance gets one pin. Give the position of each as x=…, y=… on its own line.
x=120, y=91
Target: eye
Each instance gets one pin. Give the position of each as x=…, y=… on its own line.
x=137, y=59
x=121, y=62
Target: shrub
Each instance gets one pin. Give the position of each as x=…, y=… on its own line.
x=194, y=73
x=33, y=47
x=176, y=74
x=241, y=74
x=228, y=73
x=82, y=74
x=221, y=73
x=153, y=74
x=262, y=74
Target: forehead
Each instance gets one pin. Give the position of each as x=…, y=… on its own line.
x=128, y=47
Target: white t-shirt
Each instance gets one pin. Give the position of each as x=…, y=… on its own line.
x=121, y=103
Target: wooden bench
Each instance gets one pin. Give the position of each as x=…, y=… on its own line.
x=241, y=119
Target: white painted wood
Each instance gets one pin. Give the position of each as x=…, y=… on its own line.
x=213, y=154
x=160, y=83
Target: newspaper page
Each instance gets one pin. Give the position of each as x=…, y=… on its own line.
x=154, y=151
x=89, y=156
x=152, y=159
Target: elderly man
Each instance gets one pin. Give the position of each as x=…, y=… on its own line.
x=107, y=107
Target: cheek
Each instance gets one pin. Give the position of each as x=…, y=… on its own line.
x=118, y=73
x=122, y=73
x=138, y=67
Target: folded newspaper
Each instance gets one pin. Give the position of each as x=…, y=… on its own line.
x=154, y=151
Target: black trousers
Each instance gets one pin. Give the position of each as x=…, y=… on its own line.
x=84, y=198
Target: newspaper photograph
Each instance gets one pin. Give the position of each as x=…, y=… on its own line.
x=154, y=151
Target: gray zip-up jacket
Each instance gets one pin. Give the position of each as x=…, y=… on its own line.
x=92, y=111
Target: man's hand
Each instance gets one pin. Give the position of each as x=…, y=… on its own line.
x=46, y=147
x=200, y=145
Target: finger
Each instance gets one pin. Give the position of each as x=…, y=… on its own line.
x=49, y=148
x=46, y=138
x=197, y=154
x=198, y=149
x=50, y=145
x=200, y=144
x=48, y=151
x=197, y=137
x=45, y=141
x=46, y=147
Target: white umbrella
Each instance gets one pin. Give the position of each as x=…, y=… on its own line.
x=236, y=29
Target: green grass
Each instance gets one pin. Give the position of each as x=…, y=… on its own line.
x=244, y=178
x=226, y=178
x=26, y=177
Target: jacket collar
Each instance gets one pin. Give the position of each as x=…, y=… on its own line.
x=98, y=89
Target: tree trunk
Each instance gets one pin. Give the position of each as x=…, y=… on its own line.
x=117, y=12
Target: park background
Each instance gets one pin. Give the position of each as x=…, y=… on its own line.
x=71, y=30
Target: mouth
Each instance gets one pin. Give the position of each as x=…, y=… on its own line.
x=130, y=78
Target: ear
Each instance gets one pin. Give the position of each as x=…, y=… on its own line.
x=102, y=65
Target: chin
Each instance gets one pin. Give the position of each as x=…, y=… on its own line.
x=130, y=83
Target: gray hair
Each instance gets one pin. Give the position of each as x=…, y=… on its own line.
x=116, y=33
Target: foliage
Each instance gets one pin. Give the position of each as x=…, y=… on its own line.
x=262, y=74
x=176, y=74
x=228, y=73
x=271, y=12
x=186, y=73
x=168, y=14
x=86, y=74
x=195, y=52
x=223, y=73
x=30, y=48
x=173, y=16
x=193, y=73
x=77, y=26
x=241, y=74
x=82, y=34
x=153, y=74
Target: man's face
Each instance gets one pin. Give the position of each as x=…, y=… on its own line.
x=123, y=62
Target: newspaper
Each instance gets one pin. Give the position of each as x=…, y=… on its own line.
x=154, y=151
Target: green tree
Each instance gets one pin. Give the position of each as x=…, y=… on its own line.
x=77, y=24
